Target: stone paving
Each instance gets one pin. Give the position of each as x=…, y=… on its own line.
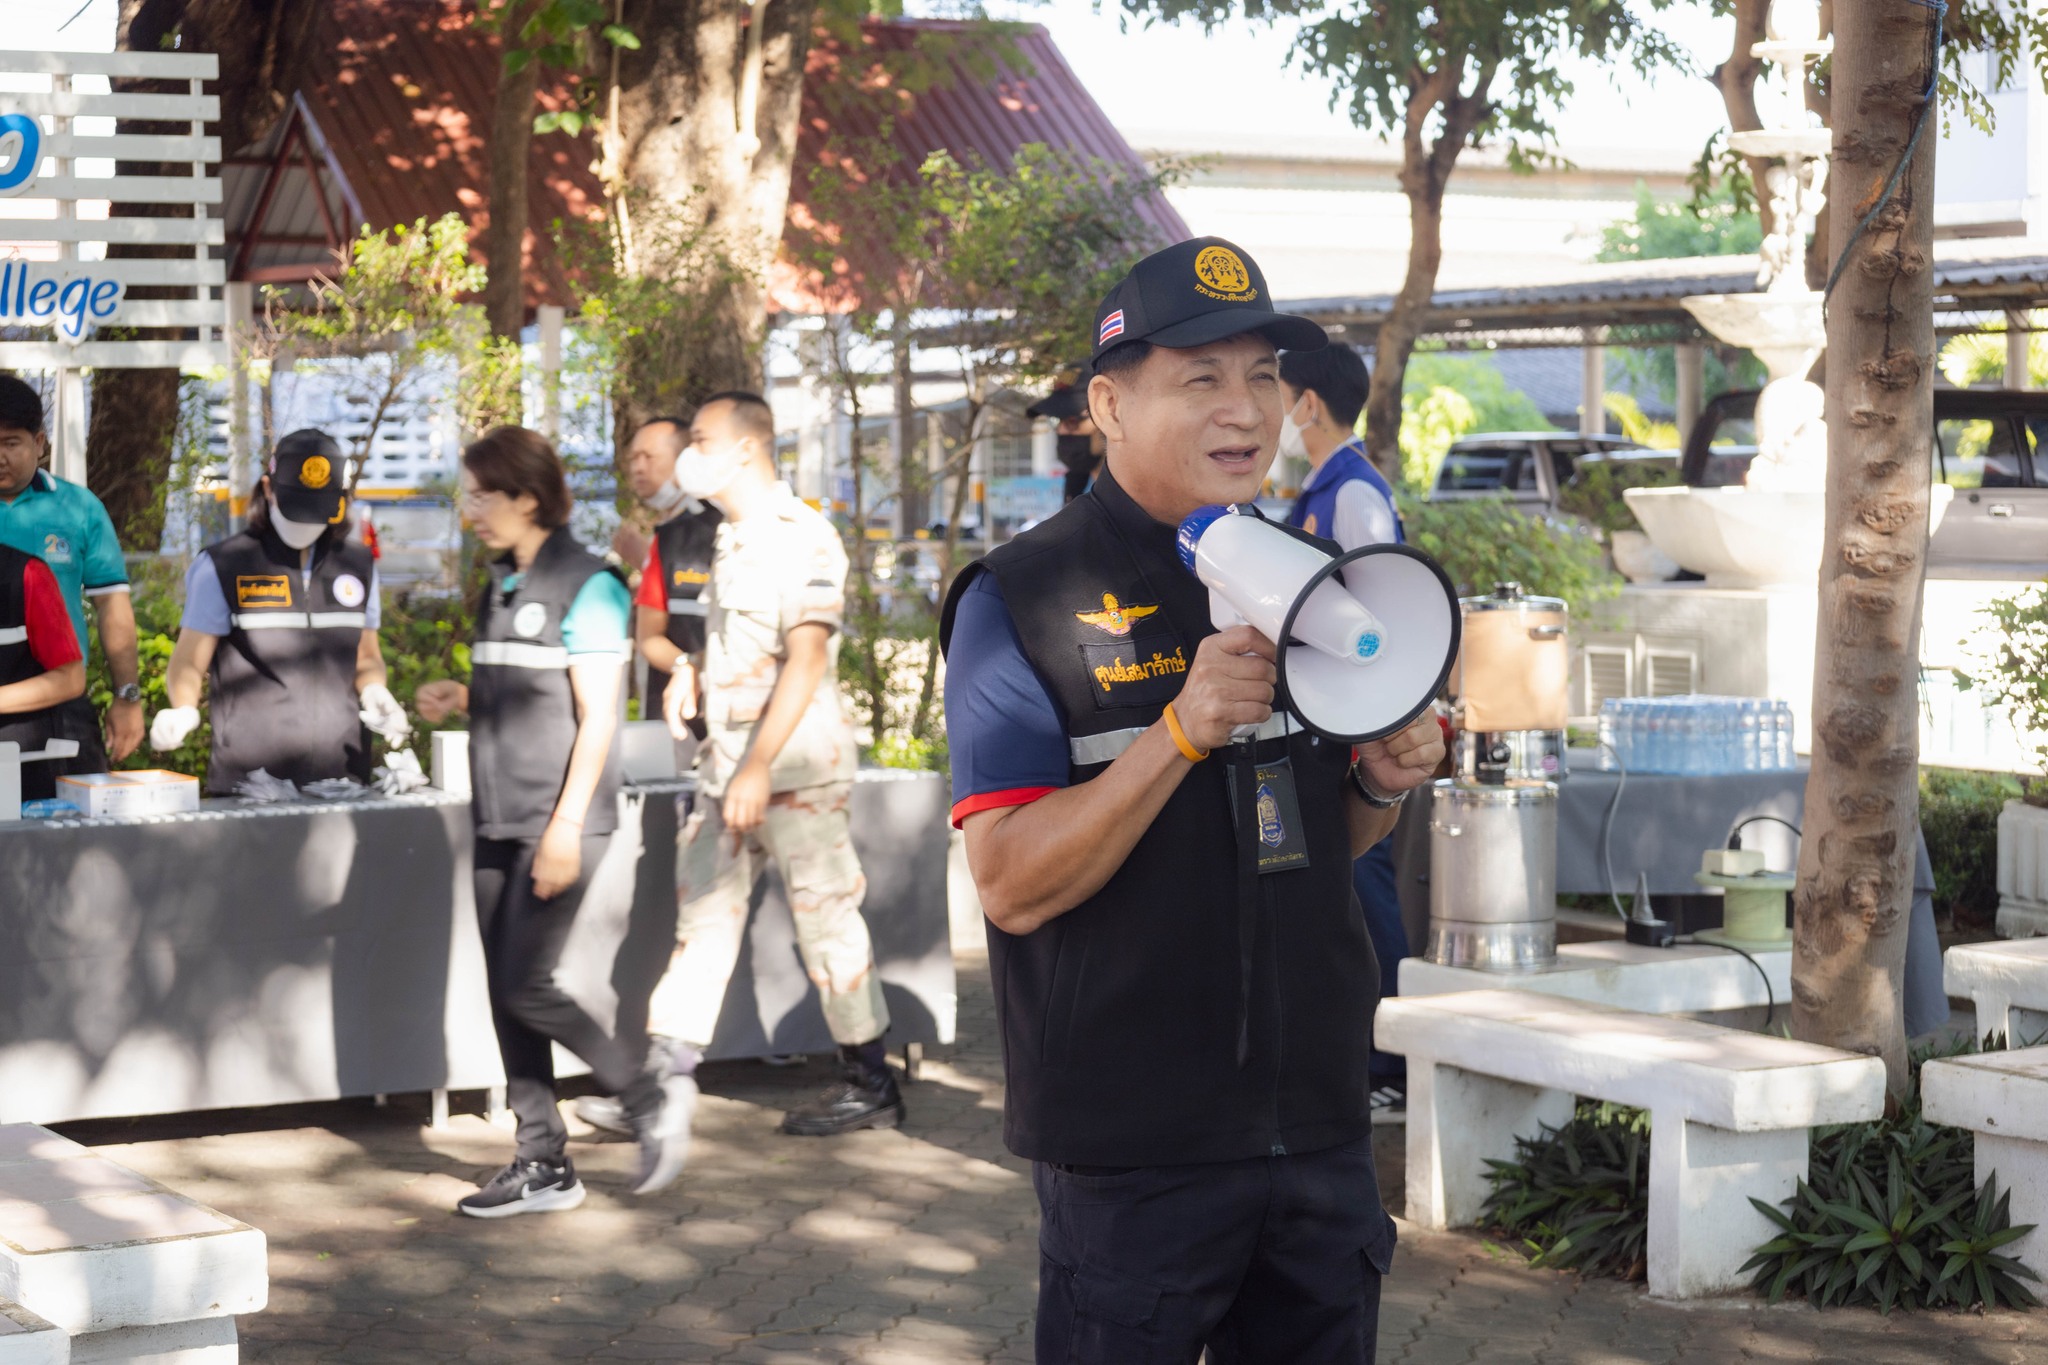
x=908, y=1246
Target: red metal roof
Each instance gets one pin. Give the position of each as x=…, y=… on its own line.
x=399, y=92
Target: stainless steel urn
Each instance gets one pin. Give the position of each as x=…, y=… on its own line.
x=1493, y=875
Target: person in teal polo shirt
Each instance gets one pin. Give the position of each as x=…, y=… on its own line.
x=65, y=526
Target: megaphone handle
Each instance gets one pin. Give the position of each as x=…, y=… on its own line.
x=1224, y=616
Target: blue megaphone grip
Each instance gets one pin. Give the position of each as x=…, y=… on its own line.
x=1191, y=529
x=28, y=151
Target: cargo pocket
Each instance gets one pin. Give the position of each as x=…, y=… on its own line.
x=1379, y=1248
x=1096, y=1316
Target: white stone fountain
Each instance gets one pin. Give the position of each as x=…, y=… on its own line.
x=1770, y=531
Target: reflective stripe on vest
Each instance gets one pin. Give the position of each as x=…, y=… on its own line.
x=299, y=620
x=1110, y=745
x=13, y=635
x=688, y=606
x=514, y=654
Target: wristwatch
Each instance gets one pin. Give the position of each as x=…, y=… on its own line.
x=128, y=692
x=1370, y=794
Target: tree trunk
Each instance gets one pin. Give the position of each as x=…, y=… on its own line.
x=1736, y=79
x=706, y=133
x=503, y=242
x=135, y=412
x=1862, y=806
x=1435, y=100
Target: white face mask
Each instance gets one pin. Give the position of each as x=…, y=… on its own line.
x=297, y=534
x=1292, y=447
x=704, y=476
x=668, y=497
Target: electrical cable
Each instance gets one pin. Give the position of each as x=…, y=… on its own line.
x=1607, y=829
x=1770, y=997
x=1891, y=184
x=1735, y=831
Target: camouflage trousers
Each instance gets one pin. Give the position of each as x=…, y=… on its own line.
x=805, y=832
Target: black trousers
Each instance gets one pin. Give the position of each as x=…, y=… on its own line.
x=78, y=719
x=1271, y=1261
x=523, y=938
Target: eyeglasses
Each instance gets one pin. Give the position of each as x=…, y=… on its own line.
x=479, y=497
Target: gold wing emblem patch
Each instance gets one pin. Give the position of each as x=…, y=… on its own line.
x=1115, y=618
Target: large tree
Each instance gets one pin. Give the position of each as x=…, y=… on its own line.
x=1440, y=78
x=1856, y=858
x=135, y=412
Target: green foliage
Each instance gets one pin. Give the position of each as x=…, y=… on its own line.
x=1449, y=394
x=1890, y=1217
x=2015, y=676
x=1637, y=425
x=1959, y=817
x=1594, y=493
x=1578, y=1197
x=399, y=313
x=156, y=589
x=564, y=34
x=1483, y=541
x=425, y=636
x=1979, y=357
x=1724, y=224
x=2015, y=37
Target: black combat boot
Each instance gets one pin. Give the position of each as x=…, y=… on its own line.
x=865, y=1097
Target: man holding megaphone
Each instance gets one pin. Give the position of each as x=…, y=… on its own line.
x=1161, y=815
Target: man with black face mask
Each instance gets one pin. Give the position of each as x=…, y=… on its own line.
x=1080, y=445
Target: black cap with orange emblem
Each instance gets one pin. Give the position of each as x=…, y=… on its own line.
x=306, y=477
x=1194, y=293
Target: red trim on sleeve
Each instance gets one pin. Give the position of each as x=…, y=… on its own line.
x=1015, y=796
x=653, y=582
x=50, y=636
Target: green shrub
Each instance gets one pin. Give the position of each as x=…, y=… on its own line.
x=1594, y=492
x=1578, y=1197
x=1959, y=816
x=1483, y=541
x=1890, y=1216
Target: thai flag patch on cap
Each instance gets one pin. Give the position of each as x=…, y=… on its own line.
x=1112, y=326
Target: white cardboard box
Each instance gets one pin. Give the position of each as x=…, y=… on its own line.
x=148, y=791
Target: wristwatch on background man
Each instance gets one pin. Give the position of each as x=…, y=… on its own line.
x=1372, y=795
x=128, y=692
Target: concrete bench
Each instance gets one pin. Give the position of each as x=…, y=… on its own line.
x=133, y=1271
x=1729, y=1112
x=2006, y=984
x=2002, y=1097
x=26, y=1339
x=1685, y=979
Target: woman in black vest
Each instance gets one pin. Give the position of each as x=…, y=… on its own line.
x=551, y=641
x=282, y=618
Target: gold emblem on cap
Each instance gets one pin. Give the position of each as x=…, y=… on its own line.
x=315, y=472
x=1220, y=274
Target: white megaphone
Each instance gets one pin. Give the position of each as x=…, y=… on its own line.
x=1366, y=638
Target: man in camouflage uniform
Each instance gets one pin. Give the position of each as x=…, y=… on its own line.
x=775, y=770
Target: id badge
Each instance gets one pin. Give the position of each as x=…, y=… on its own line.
x=1275, y=817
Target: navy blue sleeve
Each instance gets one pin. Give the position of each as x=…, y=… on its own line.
x=1006, y=734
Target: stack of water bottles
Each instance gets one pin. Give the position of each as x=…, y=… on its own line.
x=1696, y=736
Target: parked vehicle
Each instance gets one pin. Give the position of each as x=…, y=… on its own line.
x=1530, y=467
x=1990, y=445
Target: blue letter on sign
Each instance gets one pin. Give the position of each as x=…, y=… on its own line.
x=21, y=136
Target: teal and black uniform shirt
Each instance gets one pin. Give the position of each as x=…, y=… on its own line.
x=65, y=526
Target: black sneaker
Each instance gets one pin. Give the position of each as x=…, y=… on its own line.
x=526, y=1187
x=603, y=1111
x=1389, y=1104
x=863, y=1099
x=664, y=1135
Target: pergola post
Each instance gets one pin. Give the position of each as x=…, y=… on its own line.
x=551, y=317
x=241, y=309
x=2018, y=338
x=1692, y=387
x=1593, y=385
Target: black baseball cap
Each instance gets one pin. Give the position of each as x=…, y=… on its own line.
x=306, y=477
x=1194, y=293
x=1068, y=399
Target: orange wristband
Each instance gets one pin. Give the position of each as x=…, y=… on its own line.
x=1180, y=739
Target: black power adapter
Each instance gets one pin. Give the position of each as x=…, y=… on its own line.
x=1643, y=926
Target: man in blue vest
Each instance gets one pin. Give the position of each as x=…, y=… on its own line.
x=1346, y=500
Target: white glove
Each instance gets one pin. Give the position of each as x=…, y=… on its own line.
x=172, y=726
x=382, y=713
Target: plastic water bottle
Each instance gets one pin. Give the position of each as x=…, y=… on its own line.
x=1749, y=726
x=1788, y=758
x=1610, y=739
x=1631, y=725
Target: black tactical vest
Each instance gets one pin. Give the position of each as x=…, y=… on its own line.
x=522, y=715
x=1191, y=1010
x=686, y=544
x=284, y=679
x=30, y=729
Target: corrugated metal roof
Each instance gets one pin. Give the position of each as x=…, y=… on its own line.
x=401, y=90
x=1970, y=275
